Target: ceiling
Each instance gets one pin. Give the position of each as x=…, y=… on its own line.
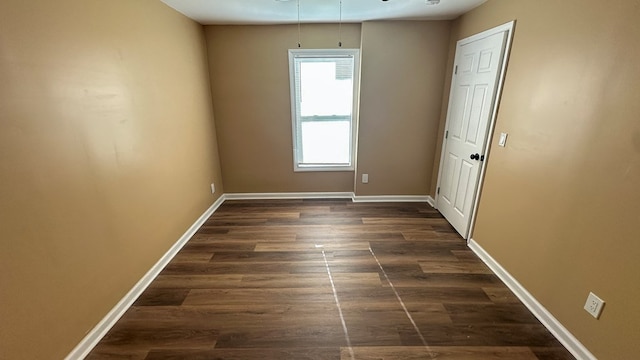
x=210, y=12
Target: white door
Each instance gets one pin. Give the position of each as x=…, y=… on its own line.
x=477, y=70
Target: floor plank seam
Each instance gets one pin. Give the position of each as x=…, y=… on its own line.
x=335, y=296
x=404, y=307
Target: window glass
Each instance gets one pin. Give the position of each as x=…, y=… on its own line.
x=322, y=96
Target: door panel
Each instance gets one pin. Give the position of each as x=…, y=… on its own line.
x=484, y=64
x=472, y=96
x=458, y=112
x=466, y=64
x=462, y=190
x=475, y=117
x=449, y=173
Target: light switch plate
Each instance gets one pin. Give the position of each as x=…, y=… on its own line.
x=503, y=139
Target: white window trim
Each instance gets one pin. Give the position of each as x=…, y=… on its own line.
x=354, y=113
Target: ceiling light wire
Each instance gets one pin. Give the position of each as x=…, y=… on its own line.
x=340, y=27
x=299, y=23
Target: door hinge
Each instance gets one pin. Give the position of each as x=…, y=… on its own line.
x=438, y=191
x=446, y=134
x=481, y=157
x=456, y=70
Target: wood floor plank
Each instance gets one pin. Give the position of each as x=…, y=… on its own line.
x=162, y=297
x=490, y=313
x=303, y=279
x=438, y=352
x=271, y=256
x=465, y=254
x=244, y=236
x=495, y=334
x=196, y=281
x=271, y=281
x=416, y=247
x=245, y=215
x=430, y=235
x=446, y=294
x=249, y=297
x=442, y=280
x=276, y=337
x=500, y=294
x=397, y=256
x=417, y=295
x=428, y=313
x=285, y=353
x=103, y=352
x=124, y=338
x=316, y=220
x=190, y=257
x=231, y=318
x=311, y=246
x=454, y=267
x=215, y=246
x=232, y=267
x=402, y=221
x=552, y=353
x=346, y=236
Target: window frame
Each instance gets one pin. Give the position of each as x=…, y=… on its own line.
x=296, y=121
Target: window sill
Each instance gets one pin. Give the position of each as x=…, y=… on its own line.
x=309, y=168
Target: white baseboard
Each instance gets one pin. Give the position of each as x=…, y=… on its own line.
x=328, y=195
x=288, y=195
x=431, y=202
x=391, y=198
x=99, y=331
x=552, y=324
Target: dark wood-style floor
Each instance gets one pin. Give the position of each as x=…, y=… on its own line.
x=327, y=279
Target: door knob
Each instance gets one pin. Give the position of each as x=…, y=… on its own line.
x=475, y=156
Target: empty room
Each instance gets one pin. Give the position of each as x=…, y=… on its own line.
x=319, y=179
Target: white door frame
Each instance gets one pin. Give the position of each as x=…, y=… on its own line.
x=508, y=28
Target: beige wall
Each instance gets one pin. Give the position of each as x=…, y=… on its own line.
x=107, y=150
x=250, y=85
x=560, y=205
x=403, y=72
x=401, y=91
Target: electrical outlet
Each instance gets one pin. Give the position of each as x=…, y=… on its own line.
x=594, y=305
x=213, y=188
x=365, y=178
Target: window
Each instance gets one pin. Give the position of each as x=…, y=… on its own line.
x=323, y=93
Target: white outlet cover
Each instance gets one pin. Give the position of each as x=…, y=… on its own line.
x=594, y=305
x=365, y=178
x=213, y=188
